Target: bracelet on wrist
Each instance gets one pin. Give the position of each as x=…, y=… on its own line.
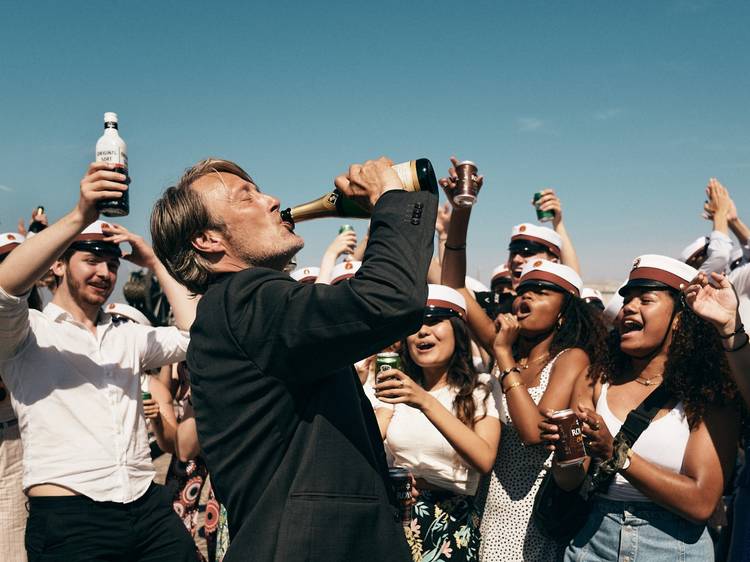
x=737, y=348
x=512, y=386
x=455, y=248
x=740, y=329
x=507, y=372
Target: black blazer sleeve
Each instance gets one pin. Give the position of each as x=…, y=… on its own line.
x=293, y=330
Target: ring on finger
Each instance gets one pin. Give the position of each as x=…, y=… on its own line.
x=595, y=426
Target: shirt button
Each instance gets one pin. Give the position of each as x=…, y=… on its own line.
x=415, y=221
x=419, y=205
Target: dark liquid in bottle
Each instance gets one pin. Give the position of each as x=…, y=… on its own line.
x=117, y=207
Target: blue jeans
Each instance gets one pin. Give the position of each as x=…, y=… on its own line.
x=638, y=532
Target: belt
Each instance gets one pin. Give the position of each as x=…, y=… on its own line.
x=9, y=423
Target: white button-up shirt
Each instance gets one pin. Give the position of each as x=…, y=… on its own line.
x=78, y=399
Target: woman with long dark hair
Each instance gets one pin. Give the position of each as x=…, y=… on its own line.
x=659, y=490
x=439, y=420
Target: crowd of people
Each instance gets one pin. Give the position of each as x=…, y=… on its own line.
x=266, y=394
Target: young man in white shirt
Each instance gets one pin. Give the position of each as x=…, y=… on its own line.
x=73, y=376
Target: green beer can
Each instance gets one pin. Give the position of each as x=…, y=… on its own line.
x=542, y=216
x=386, y=361
x=145, y=396
x=345, y=228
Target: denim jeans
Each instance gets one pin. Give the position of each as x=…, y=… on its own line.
x=638, y=532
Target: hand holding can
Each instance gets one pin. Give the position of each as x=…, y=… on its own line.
x=401, y=482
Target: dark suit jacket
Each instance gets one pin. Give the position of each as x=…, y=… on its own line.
x=290, y=439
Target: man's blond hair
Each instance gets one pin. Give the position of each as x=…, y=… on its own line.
x=180, y=215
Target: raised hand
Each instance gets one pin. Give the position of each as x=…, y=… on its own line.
x=549, y=201
x=142, y=254
x=715, y=301
x=99, y=184
x=449, y=183
x=344, y=243
x=367, y=182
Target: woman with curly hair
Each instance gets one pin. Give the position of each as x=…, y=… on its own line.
x=439, y=420
x=666, y=485
x=541, y=349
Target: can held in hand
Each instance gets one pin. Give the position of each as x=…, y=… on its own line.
x=570, y=449
x=386, y=361
x=466, y=186
x=401, y=483
x=145, y=396
x=542, y=216
x=345, y=228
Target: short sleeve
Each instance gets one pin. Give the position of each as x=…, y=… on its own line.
x=164, y=346
x=493, y=404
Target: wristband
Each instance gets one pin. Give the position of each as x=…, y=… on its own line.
x=744, y=344
x=455, y=248
x=739, y=330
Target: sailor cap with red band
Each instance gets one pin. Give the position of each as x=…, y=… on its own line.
x=550, y=274
x=305, y=274
x=474, y=285
x=121, y=310
x=92, y=239
x=444, y=302
x=694, y=248
x=659, y=272
x=344, y=270
x=535, y=238
x=501, y=276
x=9, y=241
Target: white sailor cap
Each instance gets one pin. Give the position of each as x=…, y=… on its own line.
x=694, y=248
x=475, y=285
x=501, y=276
x=444, y=302
x=92, y=239
x=126, y=311
x=659, y=272
x=613, y=307
x=9, y=241
x=344, y=270
x=550, y=274
x=593, y=296
x=305, y=274
x=535, y=238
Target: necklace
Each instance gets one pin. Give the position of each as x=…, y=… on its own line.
x=525, y=363
x=647, y=382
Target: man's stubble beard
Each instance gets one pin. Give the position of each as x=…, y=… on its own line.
x=275, y=258
x=77, y=291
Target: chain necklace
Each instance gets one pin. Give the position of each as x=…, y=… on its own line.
x=647, y=382
x=525, y=363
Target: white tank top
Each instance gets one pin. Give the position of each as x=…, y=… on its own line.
x=662, y=443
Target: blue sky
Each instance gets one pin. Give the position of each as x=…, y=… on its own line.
x=625, y=108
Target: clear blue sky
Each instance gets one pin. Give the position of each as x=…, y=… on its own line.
x=625, y=108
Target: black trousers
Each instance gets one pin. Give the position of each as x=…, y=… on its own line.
x=78, y=529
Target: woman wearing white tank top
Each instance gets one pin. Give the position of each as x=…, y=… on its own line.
x=665, y=488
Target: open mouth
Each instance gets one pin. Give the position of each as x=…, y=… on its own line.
x=425, y=346
x=523, y=310
x=629, y=326
x=517, y=273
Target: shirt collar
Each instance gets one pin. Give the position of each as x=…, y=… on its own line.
x=58, y=314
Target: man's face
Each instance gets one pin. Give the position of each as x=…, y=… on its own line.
x=516, y=261
x=89, y=278
x=253, y=231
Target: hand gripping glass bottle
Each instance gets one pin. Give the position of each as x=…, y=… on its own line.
x=111, y=148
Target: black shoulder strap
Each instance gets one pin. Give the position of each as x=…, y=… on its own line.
x=640, y=418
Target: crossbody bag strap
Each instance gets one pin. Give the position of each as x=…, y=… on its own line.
x=635, y=424
x=640, y=418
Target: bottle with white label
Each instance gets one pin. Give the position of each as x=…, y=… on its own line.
x=111, y=148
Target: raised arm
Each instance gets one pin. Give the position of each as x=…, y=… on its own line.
x=453, y=273
x=551, y=202
x=182, y=302
x=32, y=259
x=344, y=243
x=719, y=245
x=281, y=324
x=716, y=302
